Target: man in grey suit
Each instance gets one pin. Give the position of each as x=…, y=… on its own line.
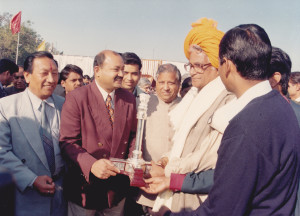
x=29, y=131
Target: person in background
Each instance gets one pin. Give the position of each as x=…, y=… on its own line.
x=186, y=85
x=279, y=77
x=71, y=78
x=18, y=81
x=294, y=87
x=86, y=80
x=132, y=73
x=158, y=131
x=145, y=85
x=7, y=68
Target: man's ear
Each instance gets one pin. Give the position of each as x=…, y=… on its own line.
x=63, y=83
x=298, y=87
x=97, y=71
x=27, y=76
x=275, y=79
x=226, y=65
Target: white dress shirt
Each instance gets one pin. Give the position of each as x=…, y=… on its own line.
x=105, y=94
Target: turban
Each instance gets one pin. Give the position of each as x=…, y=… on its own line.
x=205, y=34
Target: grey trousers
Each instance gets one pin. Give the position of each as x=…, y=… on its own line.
x=76, y=210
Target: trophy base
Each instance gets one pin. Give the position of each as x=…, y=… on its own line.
x=132, y=170
x=137, y=178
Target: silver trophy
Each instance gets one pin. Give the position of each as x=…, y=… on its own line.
x=135, y=167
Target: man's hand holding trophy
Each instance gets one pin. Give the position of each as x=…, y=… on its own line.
x=135, y=167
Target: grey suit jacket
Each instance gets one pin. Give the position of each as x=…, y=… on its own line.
x=22, y=152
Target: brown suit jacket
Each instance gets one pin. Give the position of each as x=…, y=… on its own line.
x=86, y=136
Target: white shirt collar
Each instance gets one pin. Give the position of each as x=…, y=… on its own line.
x=298, y=99
x=36, y=102
x=104, y=93
x=222, y=116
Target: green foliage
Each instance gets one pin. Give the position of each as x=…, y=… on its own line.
x=28, y=43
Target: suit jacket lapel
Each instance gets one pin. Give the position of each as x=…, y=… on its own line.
x=120, y=114
x=30, y=127
x=58, y=107
x=100, y=115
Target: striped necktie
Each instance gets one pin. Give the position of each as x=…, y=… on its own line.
x=110, y=110
x=47, y=139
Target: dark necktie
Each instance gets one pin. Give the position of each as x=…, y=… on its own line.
x=47, y=139
x=110, y=110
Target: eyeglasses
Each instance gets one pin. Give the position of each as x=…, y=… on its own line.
x=197, y=67
x=18, y=77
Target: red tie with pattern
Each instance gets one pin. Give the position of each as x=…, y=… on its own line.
x=110, y=110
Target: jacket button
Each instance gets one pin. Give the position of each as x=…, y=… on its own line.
x=123, y=153
x=100, y=144
x=23, y=160
x=125, y=142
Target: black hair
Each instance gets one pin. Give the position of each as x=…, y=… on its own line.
x=295, y=77
x=28, y=64
x=281, y=62
x=87, y=77
x=8, y=65
x=187, y=82
x=68, y=69
x=249, y=48
x=130, y=58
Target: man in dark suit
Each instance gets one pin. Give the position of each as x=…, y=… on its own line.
x=18, y=81
x=98, y=122
x=7, y=68
x=257, y=171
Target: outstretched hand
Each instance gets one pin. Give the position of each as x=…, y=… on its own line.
x=156, y=170
x=156, y=185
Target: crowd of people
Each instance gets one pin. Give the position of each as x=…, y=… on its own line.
x=224, y=140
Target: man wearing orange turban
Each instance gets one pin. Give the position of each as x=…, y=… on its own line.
x=196, y=141
x=206, y=35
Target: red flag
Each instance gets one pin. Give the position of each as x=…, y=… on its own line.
x=15, y=23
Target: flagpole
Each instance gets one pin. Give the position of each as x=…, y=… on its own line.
x=18, y=47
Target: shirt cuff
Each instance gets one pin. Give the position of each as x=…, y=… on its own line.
x=31, y=184
x=176, y=181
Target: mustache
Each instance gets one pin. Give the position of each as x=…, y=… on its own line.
x=118, y=78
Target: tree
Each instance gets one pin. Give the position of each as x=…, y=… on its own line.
x=29, y=40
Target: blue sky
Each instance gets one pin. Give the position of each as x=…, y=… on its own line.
x=153, y=29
